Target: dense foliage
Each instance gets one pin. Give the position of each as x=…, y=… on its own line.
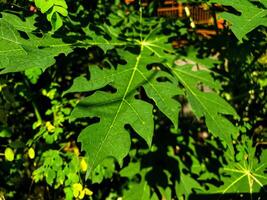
x=96, y=103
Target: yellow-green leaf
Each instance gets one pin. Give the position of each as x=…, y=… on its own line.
x=31, y=153
x=83, y=165
x=9, y=154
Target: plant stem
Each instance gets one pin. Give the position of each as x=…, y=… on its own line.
x=37, y=113
x=35, y=108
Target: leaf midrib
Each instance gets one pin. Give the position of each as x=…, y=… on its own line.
x=120, y=106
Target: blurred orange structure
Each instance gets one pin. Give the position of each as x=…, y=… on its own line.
x=199, y=14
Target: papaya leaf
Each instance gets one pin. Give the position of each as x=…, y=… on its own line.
x=19, y=54
x=115, y=110
x=131, y=170
x=184, y=187
x=103, y=171
x=204, y=104
x=138, y=191
x=207, y=104
x=25, y=26
x=93, y=38
x=246, y=175
x=251, y=16
x=166, y=193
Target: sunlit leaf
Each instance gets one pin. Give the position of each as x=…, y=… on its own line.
x=115, y=110
x=251, y=16
x=247, y=175
x=31, y=153
x=9, y=154
x=19, y=54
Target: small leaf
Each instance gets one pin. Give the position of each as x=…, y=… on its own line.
x=76, y=188
x=9, y=154
x=33, y=74
x=55, y=19
x=50, y=128
x=44, y=5
x=83, y=165
x=88, y=192
x=69, y=193
x=50, y=176
x=5, y=133
x=263, y=59
x=31, y=153
x=82, y=194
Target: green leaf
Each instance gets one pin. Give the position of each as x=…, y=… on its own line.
x=162, y=94
x=207, y=104
x=52, y=164
x=9, y=154
x=103, y=171
x=109, y=137
x=68, y=193
x=44, y=5
x=166, y=193
x=19, y=54
x=138, y=191
x=115, y=110
x=244, y=176
x=50, y=176
x=5, y=133
x=121, y=108
x=204, y=104
x=54, y=9
x=93, y=38
x=243, y=173
x=251, y=16
x=81, y=84
x=25, y=26
x=194, y=73
x=184, y=187
x=33, y=74
x=131, y=170
x=55, y=19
